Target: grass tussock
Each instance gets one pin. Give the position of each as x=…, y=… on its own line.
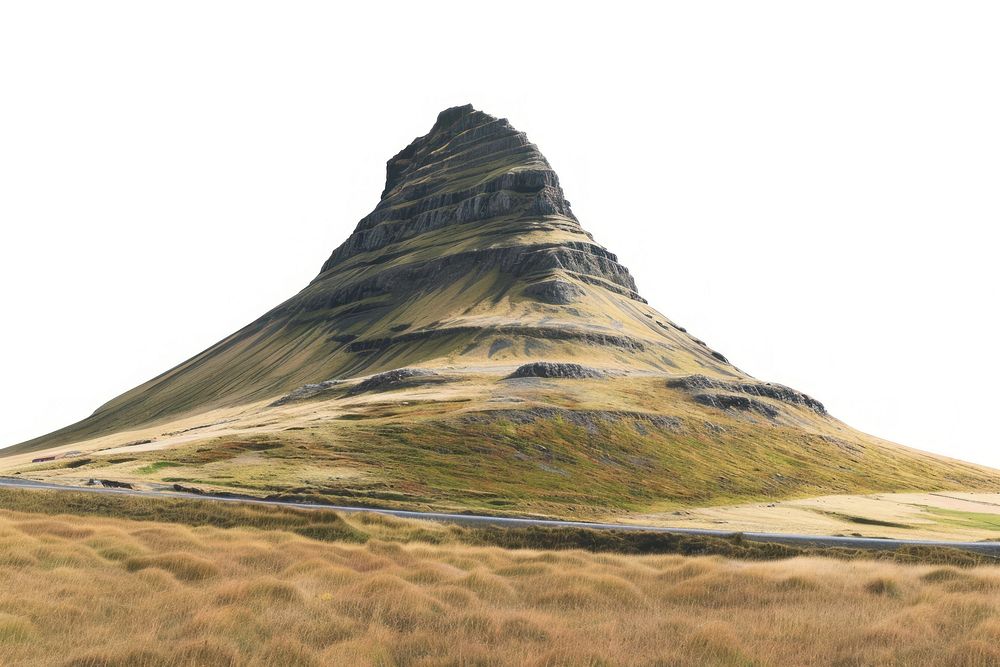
x=318, y=524
x=95, y=591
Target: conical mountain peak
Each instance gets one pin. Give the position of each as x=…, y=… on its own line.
x=471, y=346
x=470, y=167
x=471, y=257
x=456, y=131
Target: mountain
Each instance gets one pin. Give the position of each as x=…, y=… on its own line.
x=472, y=256
x=470, y=345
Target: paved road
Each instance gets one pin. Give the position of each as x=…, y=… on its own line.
x=988, y=548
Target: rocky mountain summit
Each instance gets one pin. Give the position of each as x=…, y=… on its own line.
x=471, y=345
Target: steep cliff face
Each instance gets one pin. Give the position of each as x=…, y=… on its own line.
x=470, y=167
x=471, y=197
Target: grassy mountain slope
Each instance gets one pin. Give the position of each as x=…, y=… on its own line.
x=473, y=256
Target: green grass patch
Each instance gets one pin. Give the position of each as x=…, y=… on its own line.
x=982, y=520
x=157, y=466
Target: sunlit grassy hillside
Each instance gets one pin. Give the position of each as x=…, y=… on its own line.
x=584, y=448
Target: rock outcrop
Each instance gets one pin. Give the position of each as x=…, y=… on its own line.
x=735, y=402
x=777, y=392
x=556, y=292
x=306, y=391
x=547, y=369
x=397, y=379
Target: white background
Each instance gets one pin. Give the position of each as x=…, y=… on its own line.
x=812, y=188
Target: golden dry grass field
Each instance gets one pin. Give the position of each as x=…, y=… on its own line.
x=81, y=589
